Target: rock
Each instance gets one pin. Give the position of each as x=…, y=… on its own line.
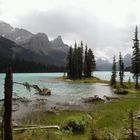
x=45, y=92
x=93, y=99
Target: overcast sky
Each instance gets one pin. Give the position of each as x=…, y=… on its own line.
x=107, y=26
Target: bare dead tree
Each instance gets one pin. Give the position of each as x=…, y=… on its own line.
x=8, y=88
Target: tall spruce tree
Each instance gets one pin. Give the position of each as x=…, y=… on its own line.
x=75, y=60
x=91, y=64
x=113, y=76
x=136, y=59
x=86, y=61
x=121, y=70
x=70, y=63
x=80, y=60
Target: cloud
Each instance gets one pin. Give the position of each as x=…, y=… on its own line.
x=80, y=25
x=107, y=26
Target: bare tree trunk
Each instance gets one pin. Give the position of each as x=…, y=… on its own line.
x=8, y=105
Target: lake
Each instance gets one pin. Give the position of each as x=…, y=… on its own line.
x=64, y=95
x=61, y=91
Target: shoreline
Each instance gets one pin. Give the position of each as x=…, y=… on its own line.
x=83, y=80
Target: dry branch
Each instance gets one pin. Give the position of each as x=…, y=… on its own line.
x=37, y=127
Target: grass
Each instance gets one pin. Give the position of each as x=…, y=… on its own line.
x=51, y=118
x=109, y=119
x=48, y=118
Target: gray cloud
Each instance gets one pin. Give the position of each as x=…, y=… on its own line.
x=78, y=24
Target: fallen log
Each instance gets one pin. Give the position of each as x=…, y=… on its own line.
x=28, y=86
x=37, y=127
x=44, y=91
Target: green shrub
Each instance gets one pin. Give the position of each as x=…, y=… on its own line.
x=75, y=126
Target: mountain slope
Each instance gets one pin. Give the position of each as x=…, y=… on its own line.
x=48, y=51
x=14, y=34
x=103, y=65
x=37, y=47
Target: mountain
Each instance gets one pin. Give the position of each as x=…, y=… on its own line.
x=9, y=49
x=15, y=34
x=36, y=47
x=103, y=65
x=127, y=60
x=47, y=51
x=38, y=43
x=20, y=59
x=5, y=28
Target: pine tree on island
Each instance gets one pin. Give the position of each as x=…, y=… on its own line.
x=79, y=65
x=86, y=62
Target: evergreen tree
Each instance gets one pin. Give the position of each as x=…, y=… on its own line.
x=113, y=76
x=90, y=63
x=85, y=61
x=136, y=59
x=80, y=60
x=70, y=63
x=75, y=62
x=121, y=69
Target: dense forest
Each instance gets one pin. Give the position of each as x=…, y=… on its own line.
x=22, y=66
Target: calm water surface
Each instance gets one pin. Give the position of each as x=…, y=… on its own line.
x=61, y=91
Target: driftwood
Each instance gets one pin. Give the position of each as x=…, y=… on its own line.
x=93, y=99
x=31, y=127
x=28, y=86
x=44, y=91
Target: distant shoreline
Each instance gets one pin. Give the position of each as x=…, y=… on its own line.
x=84, y=80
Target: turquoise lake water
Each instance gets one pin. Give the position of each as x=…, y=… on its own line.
x=64, y=95
x=61, y=91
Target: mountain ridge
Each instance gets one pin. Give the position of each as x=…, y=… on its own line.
x=37, y=47
x=47, y=52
